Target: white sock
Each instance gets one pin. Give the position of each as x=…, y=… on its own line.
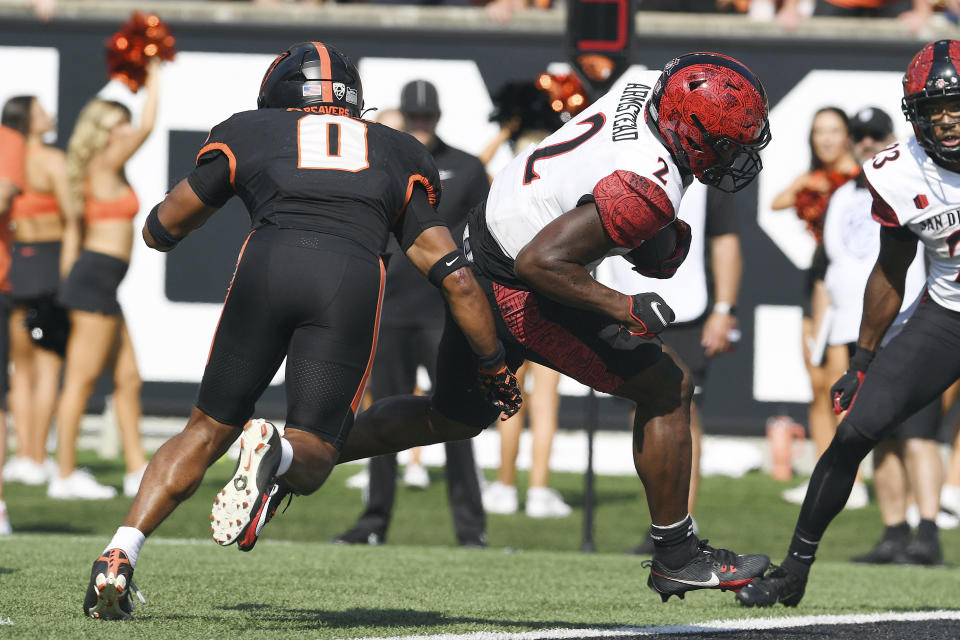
x=129, y=540
x=286, y=456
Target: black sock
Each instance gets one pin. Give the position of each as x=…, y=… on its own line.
x=803, y=548
x=927, y=530
x=673, y=546
x=794, y=566
x=897, y=532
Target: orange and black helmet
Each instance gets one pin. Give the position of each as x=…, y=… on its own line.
x=312, y=74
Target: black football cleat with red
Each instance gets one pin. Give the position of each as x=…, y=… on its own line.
x=111, y=581
x=780, y=585
x=249, y=500
x=710, y=568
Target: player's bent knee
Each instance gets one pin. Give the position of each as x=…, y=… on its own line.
x=851, y=444
x=460, y=428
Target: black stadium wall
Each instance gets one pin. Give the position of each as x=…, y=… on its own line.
x=816, y=66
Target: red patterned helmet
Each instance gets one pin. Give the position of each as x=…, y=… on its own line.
x=932, y=75
x=711, y=112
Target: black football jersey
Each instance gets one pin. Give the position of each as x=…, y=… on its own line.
x=332, y=174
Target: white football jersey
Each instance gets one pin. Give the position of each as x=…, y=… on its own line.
x=912, y=191
x=606, y=153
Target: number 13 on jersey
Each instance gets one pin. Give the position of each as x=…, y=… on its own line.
x=331, y=142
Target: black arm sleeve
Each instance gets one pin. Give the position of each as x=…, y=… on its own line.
x=210, y=179
x=902, y=234
x=416, y=218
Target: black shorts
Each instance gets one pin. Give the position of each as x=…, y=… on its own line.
x=685, y=340
x=34, y=270
x=911, y=372
x=312, y=298
x=534, y=328
x=400, y=350
x=92, y=284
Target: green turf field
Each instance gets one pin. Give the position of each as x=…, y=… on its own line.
x=296, y=585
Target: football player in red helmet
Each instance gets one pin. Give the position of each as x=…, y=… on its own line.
x=600, y=186
x=931, y=101
x=914, y=184
x=711, y=111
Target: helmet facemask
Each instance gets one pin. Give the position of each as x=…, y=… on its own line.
x=916, y=109
x=738, y=163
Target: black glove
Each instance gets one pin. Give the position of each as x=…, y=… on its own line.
x=502, y=390
x=648, y=310
x=651, y=312
x=844, y=391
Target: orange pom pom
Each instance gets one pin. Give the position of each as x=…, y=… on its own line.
x=566, y=92
x=142, y=38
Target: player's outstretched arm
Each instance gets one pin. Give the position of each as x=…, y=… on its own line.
x=434, y=253
x=181, y=212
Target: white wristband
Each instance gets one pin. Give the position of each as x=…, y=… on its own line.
x=723, y=307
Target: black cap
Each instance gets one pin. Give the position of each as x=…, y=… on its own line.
x=870, y=121
x=419, y=97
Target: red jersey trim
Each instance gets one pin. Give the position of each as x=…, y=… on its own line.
x=881, y=211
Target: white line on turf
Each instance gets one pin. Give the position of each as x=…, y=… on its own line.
x=714, y=626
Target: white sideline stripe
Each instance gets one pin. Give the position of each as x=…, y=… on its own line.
x=714, y=626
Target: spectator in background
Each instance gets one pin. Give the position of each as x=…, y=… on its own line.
x=411, y=325
x=831, y=165
x=910, y=458
x=103, y=139
x=526, y=117
x=37, y=218
x=914, y=13
x=950, y=493
x=11, y=183
x=542, y=406
x=703, y=330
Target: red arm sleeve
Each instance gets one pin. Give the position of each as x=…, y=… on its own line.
x=11, y=156
x=881, y=211
x=632, y=208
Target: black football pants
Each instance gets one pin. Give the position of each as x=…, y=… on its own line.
x=399, y=352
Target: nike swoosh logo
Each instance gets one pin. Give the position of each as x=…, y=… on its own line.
x=452, y=261
x=712, y=582
x=656, y=309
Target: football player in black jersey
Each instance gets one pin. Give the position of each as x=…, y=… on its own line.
x=324, y=189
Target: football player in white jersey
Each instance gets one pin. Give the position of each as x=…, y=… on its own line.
x=600, y=186
x=915, y=185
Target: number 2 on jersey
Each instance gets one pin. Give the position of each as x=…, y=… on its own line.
x=595, y=122
x=331, y=142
